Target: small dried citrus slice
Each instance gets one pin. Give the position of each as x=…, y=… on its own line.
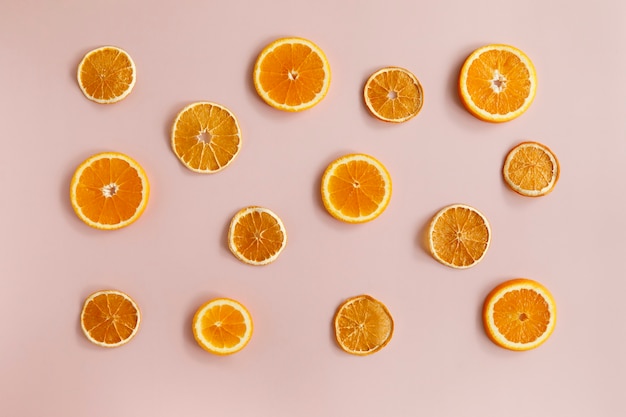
x=519, y=314
x=497, y=83
x=459, y=236
x=110, y=318
x=531, y=169
x=256, y=235
x=109, y=191
x=106, y=74
x=206, y=137
x=356, y=188
x=363, y=325
x=222, y=326
x=393, y=94
x=292, y=74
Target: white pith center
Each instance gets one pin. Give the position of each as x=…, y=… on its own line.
x=109, y=190
x=498, y=83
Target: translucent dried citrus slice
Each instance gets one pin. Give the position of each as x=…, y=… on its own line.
x=256, y=235
x=110, y=318
x=222, y=326
x=393, y=94
x=363, y=325
x=531, y=169
x=106, y=74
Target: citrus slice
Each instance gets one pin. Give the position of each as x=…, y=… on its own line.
x=256, y=235
x=497, y=83
x=222, y=326
x=292, y=74
x=356, y=188
x=110, y=318
x=531, y=169
x=363, y=325
x=206, y=137
x=459, y=236
x=109, y=191
x=519, y=314
x=106, y=74
x=393, y=94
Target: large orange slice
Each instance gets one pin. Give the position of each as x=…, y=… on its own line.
x=531, y=169
x=106, y=75
x=110, y=318
x=222, y=326
x=393, y=94
x=256, y=235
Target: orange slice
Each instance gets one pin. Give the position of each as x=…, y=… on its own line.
x=256, y=235
x=110, y=318
x=356, y=188
x=206, y=137
x=459, y=236
x=222, y=326
x=393, y=94
x=106, y=75
x=531, y=169
x=363, y=325
x=292, y=74
x=497, y=83
x=519, y=314
x=109, y=191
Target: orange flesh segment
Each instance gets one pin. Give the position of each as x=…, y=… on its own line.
x=110, y=318
x=531, y=169
x=258, y=236
x=394, y=95
x=356, y=188
x=521, y=316
x=223, y=326
x=460, y=236
x=107, y=74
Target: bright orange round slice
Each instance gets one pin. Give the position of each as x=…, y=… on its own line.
x=222, y=326
x=393, y=94
x=363, y=325
x=110, y=318
x=497, y=83
x=106, y=75
x=109, y=191
x=531, y=169
x=256, y=235
x=206, y=137
x=459, y=236
x=292, y=74
x=356, y=188
x=519, y=314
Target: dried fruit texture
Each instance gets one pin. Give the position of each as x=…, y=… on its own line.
x=206, y=137
x=292, y=74
x=256, y=235
x=393, y=94
x=459, y=236
x=110, y=318
x=363, y=325
x=531, y=169
x=497, y=83
x=109, y=191
x=106, y=75
x=519, y=314
x=356, y=188
x=222, y=326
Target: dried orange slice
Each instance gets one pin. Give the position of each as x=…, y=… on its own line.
x=256, y=235
x=393, y=94
x=531, y=169
x=109, y=191
x=206, y=137
x=519, y=314
x=363, y=325
x=110, y=318
x=459, y=236
x=356, y=188
x=292, y=74
x=497, y=83
x=106, y=74
x=222, y=326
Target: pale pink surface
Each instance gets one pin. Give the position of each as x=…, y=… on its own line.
x=439, y=362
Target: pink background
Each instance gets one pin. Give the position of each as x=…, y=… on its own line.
x=439, y=362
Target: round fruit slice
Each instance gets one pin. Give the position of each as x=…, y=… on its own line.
x=459, y=236
x=292, y=74
x=106, y=75
x=110, y=318
x=363, y=325
x=531, y=169
x=222, y=326
x=256, y=235
x=109, y=191
x=519, y=314
x=356, y=188
x=206, y=137
x=497, y=83
x=393, y=94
